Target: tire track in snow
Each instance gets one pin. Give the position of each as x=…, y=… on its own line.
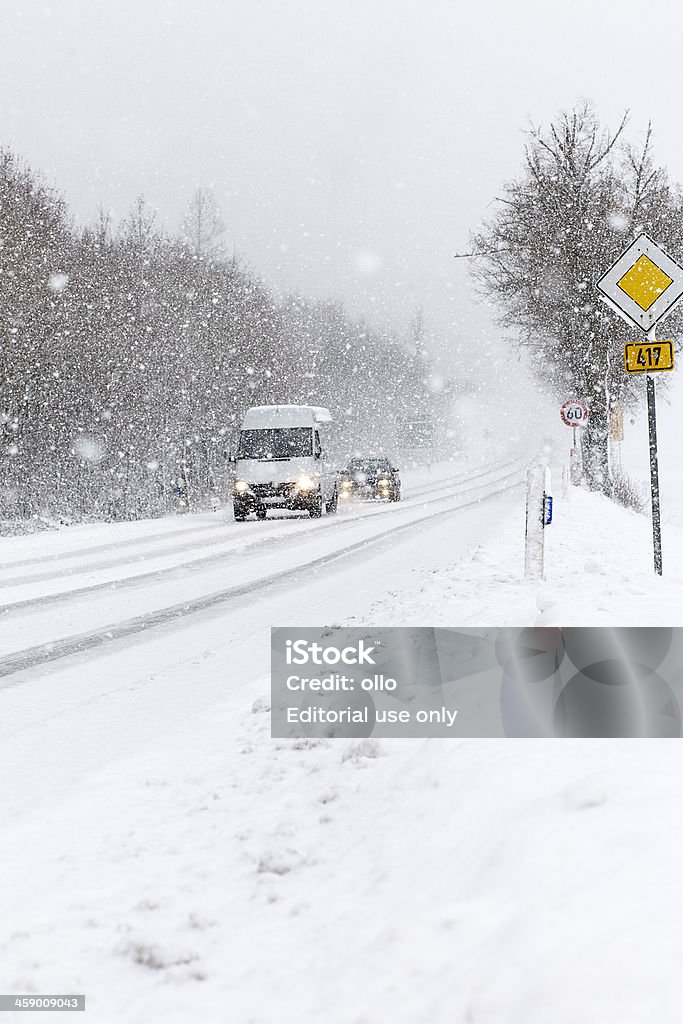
x=41, y=654
x=164, y=544
x=236, y=552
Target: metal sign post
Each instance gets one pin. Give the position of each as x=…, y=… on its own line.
x=643, y=286
x=654, y=467
x=651, y=357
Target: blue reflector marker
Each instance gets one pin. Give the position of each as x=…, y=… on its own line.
x=547, y=509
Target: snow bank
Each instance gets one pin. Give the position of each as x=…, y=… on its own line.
x=598, y=573
x=446, y=881
x=214, y=873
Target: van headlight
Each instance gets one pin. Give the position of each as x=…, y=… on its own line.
x=241, y=486
x=306, y=483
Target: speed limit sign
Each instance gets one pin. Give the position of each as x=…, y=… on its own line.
x=574, y=413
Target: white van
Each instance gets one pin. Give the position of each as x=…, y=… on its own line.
x=282, y=461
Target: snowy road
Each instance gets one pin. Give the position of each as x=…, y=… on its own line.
x=125, y=642
x=111, y=663
x=81, y=598
x=164, y=856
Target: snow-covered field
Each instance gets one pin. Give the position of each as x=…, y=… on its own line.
x=164, y=856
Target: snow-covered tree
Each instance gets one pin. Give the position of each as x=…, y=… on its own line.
x=582, y=197
x=203, y=227
x=126, y=361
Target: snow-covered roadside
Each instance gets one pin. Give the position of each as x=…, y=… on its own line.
x=224, y=875
x=598, y=573
x=205, y=871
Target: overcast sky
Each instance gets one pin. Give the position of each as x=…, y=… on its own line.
x=351, y=144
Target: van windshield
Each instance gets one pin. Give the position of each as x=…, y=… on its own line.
x=278, y=443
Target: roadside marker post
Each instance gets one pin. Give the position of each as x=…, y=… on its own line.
x=643, y=286
x=616, y=436
x=539, y=514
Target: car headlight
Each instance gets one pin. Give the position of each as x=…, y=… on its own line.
x=241, y=486
x=346, y=485
x=305, y=483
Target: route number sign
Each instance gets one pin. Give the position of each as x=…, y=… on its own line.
x=574, y=414
x=649, y=357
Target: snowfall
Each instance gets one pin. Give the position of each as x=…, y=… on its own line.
x=164, y=856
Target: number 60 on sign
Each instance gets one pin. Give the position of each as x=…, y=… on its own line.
x=649, y=357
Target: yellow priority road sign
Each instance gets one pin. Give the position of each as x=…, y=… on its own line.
x=649, y=357
x=644, y=284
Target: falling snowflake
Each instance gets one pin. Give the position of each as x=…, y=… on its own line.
x=57, y=282
x=89, y=449
x=617, y=221
x=367, y=262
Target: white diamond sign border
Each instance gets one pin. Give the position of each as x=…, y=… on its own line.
x=620, y=302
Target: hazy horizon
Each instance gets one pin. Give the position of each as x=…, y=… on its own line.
x=351, y=151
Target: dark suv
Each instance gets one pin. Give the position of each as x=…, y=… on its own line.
x=370, y=477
